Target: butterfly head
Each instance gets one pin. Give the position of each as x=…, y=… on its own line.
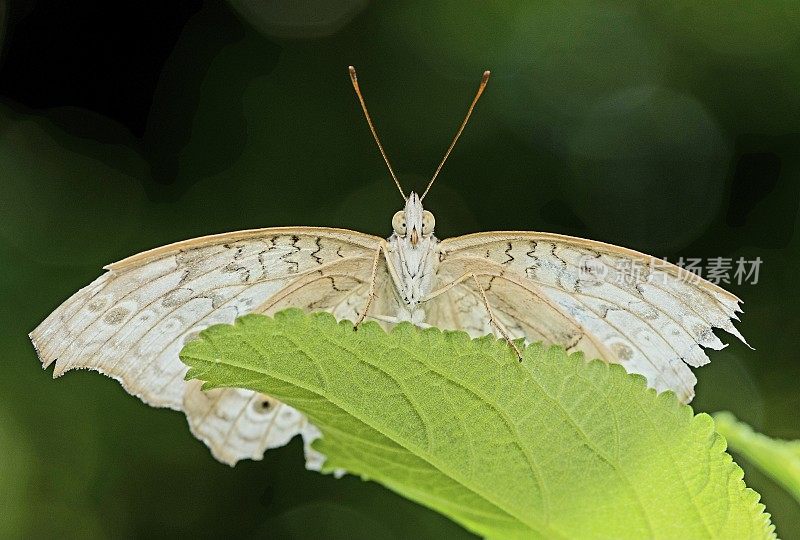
x=413, y=222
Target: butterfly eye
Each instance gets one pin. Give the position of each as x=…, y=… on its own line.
x=427, y=222
x=399, y=223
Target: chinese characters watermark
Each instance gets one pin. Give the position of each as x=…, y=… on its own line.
x=717, y=270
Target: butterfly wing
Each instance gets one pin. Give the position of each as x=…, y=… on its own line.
x=131, y=322
x=610, y=302
x=241, y=424
x=512, y=303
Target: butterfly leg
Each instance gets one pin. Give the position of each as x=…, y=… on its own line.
x=493, y=321
x=445, y=288
x=381, y=249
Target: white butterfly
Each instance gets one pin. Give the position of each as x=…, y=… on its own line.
x=609, y=302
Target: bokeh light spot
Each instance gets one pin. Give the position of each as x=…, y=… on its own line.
x=648, y=166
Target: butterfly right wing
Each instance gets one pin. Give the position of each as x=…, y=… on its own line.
x=652, y=317
x=132, y=322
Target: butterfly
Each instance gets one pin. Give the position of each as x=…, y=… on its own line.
x=609, y=302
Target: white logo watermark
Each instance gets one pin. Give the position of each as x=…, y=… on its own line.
x=717, y=270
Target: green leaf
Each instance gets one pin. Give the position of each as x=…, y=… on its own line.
x=777, y=458
x=552, y=447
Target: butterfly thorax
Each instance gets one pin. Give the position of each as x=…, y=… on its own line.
x=414, y=266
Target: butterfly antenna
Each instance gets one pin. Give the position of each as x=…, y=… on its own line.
x=354, y=79
x=484, y=80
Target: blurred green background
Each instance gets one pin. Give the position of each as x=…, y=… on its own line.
x=669, y=127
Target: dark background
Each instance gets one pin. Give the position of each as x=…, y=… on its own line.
x=672, y=128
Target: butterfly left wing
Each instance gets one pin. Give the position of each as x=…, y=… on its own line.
x=652, y=317
x=131, y=322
